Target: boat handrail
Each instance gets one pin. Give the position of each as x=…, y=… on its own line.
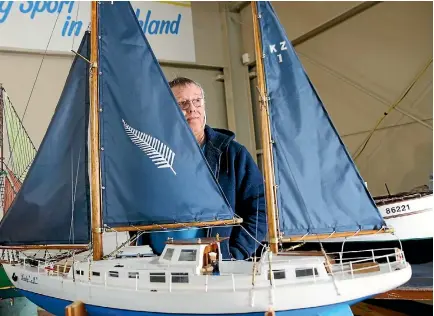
x=391, y=262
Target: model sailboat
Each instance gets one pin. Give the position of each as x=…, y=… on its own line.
x=17, y=145
x=147, y=173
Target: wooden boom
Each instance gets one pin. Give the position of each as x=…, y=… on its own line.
x=233, y=221
x=61, y=247
x=311, y=237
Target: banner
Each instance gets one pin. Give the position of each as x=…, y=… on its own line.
x=28, y=25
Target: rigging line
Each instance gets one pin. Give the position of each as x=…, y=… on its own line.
x=257, y=213
x=74, y=194
x=255, y=239
x=24, y=147
x=76, y=18
x=71, y=225
x=12, y=121
x=14, y=129
x=127, y=242
x=381, y=140
x=362, y=89
x=37, y=74
x=392, y=107
x=6, y=120
x=11, y=154
x=12, y=108
x=29, y=155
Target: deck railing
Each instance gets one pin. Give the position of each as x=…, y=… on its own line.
x=346, y=268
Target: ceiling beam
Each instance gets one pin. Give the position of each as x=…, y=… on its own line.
x=334, y=22
x=358, y=9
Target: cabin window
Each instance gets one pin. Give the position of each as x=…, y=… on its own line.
x=114, y=274
x=94, y=273
x=305, y=272
x=179, y=277
x=133, y=275
x=168, y=255
x=277, y=274
x=79, y=272
x=157, y=277
x=188, y=255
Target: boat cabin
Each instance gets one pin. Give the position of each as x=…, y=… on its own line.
x=203, y=253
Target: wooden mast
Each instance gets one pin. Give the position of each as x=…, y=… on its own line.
x=95, y=178
x=270, y=194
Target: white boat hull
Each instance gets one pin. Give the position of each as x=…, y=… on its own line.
x=410, y=220
x=204, y=295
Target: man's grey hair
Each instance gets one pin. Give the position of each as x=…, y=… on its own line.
x=183, y=81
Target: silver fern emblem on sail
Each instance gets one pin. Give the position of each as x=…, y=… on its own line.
x=160, y=154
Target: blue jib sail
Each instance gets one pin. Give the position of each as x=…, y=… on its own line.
x=153, y=171
x=319, y=187
x=52, y=206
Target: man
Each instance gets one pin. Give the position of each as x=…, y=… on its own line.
x=237, y=174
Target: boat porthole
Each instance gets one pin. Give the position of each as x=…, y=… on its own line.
x=14, y=277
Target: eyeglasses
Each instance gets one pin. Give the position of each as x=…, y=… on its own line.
x=197, y=102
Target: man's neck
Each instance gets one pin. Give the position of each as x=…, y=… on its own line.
x=200, y=137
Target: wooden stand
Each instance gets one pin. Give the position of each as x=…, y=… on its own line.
x=364, y=309
x=418, y=288
x=411, y=294
x=77, y=308
x=270, y=313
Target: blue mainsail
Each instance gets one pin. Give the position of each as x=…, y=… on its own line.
x=319, y=187
x=152, y=169
x=52, y=206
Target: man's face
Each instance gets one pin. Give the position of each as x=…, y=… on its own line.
x=191, y=102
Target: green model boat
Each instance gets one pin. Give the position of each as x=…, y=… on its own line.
x=13, y=169
x=7, y=290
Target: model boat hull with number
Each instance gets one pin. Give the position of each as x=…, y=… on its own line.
x=409, y=214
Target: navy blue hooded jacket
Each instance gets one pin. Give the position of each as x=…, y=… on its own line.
x=242, y=184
